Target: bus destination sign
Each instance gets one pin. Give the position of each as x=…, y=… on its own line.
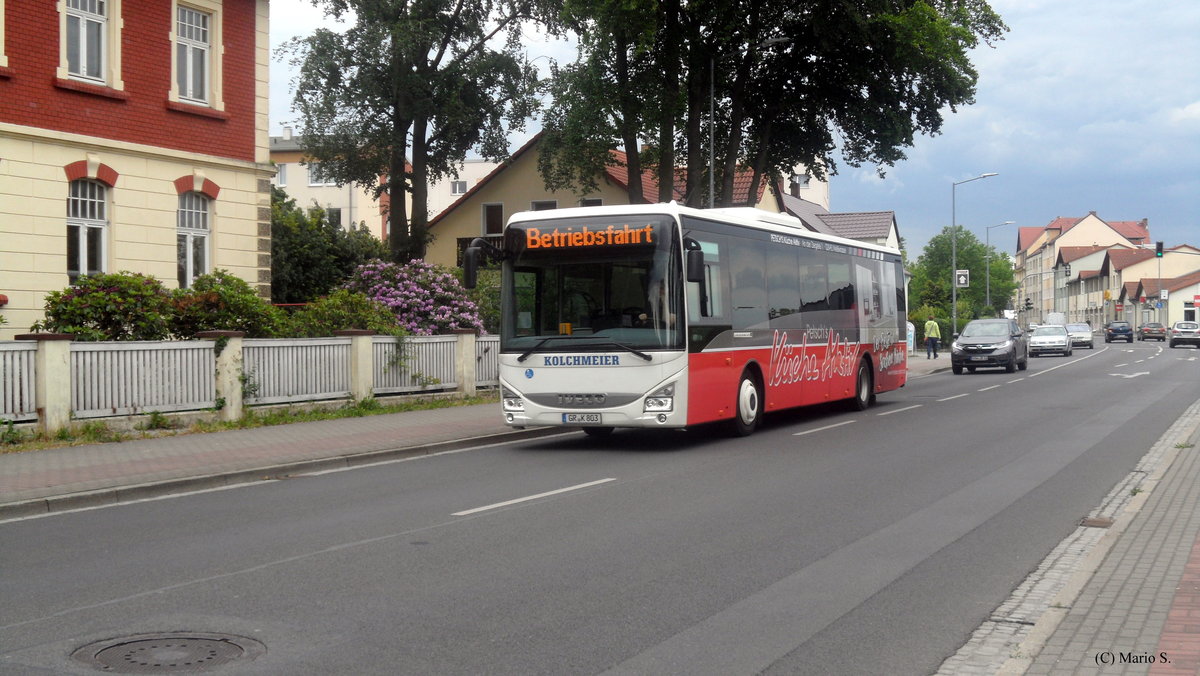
x=571, y=237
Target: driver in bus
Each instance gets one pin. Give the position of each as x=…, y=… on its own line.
x=658, y=308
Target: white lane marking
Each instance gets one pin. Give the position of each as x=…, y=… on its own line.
x=1073, y=361
x=989, y=387
x=964, y=394
x=1117, y=366
x=1130, y=375
x=498, y=505
x=1016, y=380
x=827, y=427
x=900, y=410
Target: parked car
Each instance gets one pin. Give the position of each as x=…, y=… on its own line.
x=990, y=343
x=1118, y=330
x=1152, y=330
x=1081, y=336
x=1184, y=333
x=1050, y=339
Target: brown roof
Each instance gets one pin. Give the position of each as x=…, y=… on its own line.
x=1088, y=274
x=1067, y=254
x=1137, y=232
x=1027, y=236
x=862, y=225
x=1119, y=259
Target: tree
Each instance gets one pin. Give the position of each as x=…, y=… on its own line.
x=310, y=256
x=433, y=77
x=788, y=80
x=933, y=273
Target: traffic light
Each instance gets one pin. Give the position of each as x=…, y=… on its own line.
x=1028, y=303
x=1158, y=249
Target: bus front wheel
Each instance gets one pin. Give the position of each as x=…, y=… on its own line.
x=749, y=406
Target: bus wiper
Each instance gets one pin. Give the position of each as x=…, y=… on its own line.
x=639, y=353
x=536, y=345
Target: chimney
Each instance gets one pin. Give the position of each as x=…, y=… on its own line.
x=287, y=133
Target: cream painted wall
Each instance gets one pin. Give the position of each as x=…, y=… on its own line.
x=516, y=187
x=142, y=215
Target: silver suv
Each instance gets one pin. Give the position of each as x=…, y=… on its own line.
x=990, y=343
x=1184, y=333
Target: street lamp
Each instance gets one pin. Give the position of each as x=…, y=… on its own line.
x=954, y=250
x=987, y=255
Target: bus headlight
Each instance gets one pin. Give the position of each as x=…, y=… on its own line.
x=662, y=399
x=511, y=401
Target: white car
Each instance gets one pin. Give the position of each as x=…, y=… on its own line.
x=1050, y=339
x=1081, y=336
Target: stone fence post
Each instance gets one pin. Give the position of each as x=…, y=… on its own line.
x=362, y=362
x=464, y=361
x=229, y=371
x=52, y=365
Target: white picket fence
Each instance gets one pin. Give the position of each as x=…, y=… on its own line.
x=18, y=393
x=126, y=378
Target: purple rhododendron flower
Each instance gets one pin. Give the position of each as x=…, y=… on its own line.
x=426, y=298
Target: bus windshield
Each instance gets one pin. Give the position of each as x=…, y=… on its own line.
x=596, y=284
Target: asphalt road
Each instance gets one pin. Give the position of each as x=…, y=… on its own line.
x=829, y=542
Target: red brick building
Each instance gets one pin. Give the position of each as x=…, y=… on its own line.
x=133, y=136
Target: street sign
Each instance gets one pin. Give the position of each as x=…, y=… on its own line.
x=1120, y=307
x=1158, y=305
x=962, y=278
x=1162, y=294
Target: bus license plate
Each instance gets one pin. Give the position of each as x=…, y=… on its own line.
x=581, y=418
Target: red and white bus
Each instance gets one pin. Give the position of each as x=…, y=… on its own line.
x=667, y=316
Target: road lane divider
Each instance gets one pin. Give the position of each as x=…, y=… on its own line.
x=957, y=396
x=822, y=429
x=527, y=498
x=900, y=410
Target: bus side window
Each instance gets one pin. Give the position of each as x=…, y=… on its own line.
x=748, y=269
x=707, y=299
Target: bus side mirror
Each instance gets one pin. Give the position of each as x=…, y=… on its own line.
x=695, y=265
x=471, y=266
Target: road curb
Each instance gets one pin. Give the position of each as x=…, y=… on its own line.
x=123, y=494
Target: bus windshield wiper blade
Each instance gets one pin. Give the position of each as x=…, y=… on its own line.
x=525, y=355
x=637, y=352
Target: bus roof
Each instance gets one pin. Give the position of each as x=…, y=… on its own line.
x=745, y=216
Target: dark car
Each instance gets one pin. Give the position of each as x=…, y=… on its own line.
x=1151, y=330
x=1185, y=333
x=990, y=343
x=1117, y=330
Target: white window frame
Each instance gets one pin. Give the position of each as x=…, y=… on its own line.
x=193, y=50
x=591, y=202
x=281, y=175
x=315, y=177
x=110, y=36
x=458, y=187
x=87, y=214
x=3, y=58
x=543, y=205
x=483, y=213
x=214, y=98
x=193, y=224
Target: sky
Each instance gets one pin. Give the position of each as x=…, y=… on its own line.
x=1085, y=105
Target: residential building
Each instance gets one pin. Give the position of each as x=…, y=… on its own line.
x=304, y=181
x=1041, y=276
x=133, y=136
x=1145, y=283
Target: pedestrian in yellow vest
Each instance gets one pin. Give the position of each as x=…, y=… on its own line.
x=932, y=335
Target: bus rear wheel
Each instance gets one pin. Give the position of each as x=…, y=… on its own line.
x=749, y=406
x=863, y=391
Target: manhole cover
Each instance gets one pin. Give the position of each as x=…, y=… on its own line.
x=181, y=652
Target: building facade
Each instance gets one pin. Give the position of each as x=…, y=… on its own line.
x=133, y=136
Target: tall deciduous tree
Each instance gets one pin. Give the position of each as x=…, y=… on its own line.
x=429, y=78
x=789, y=83
x=933, y=273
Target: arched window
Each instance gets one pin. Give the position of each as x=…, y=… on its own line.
x=192, y=237
x=87, y=225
